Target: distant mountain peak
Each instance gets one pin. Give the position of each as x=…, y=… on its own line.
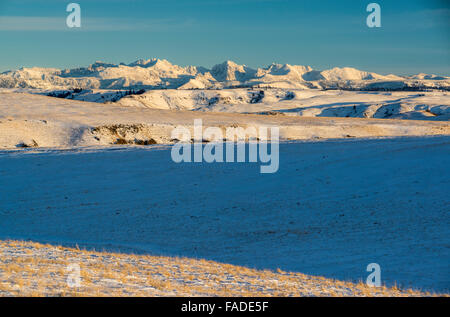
x=155, y=73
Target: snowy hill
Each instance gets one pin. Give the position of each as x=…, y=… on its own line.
x=30, y=120
x=159, y=73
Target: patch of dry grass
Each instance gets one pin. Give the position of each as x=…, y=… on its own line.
x=33, y=269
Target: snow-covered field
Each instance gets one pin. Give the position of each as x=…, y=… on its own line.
x=123, y=274
x=331, y=209
x=40, y=121
x=430, y=105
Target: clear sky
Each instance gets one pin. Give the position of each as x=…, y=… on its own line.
x=414, y=37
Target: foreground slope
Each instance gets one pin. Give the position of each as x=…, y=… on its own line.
x=332, y=208
x=33, y=269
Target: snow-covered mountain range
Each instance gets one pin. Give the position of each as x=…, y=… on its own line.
x=229, y=87
x=161, y=74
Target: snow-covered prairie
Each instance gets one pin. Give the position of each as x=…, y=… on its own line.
x=41, y=121
x=331, y=209
x=429, y=105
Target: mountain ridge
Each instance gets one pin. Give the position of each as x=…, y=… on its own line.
x=157, y=73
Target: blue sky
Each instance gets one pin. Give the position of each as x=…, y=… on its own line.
x=414, y=37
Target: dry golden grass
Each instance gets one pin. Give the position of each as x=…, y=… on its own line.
x=33, y=269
